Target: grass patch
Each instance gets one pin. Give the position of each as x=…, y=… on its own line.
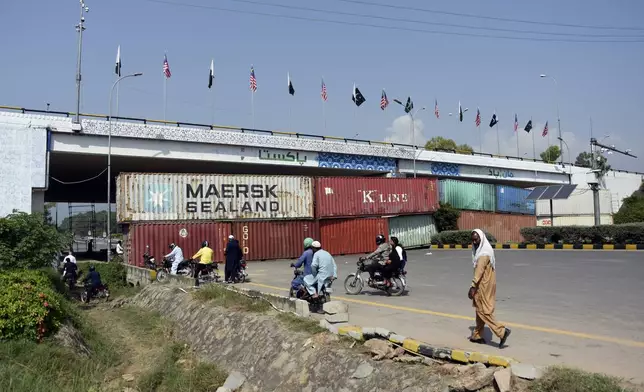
x=300, y=324
x=230, y=299
x=560, y=379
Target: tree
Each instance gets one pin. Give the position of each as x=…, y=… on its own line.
x=551, y=154
x=27, y=241
x=632, y=210
x=446, y=217
x=445, y=144
x=585, y=159
x=82, y=223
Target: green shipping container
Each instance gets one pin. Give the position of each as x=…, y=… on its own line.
x=467, y=195
x=414, y=230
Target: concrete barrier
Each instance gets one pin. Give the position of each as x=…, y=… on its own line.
x=137, y=276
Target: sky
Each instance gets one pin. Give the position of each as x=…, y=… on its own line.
x=413, y=50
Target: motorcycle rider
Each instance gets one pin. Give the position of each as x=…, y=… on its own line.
x=176, y=256
x=378, y=256
x=205, y=258
x=94, y=279
x=323, y=267
x=70, y=271
x=69, y=258
x=307, y=257
x=394, y=260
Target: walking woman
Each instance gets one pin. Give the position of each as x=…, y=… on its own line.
x=483, y=289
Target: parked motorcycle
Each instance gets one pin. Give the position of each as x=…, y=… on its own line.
x=184, y=268
x=100, y=292
x=298, y=290
x=148, y=259
x=242, y=273
x=354, y=283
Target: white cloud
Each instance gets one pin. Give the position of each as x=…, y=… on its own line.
x=400, y=131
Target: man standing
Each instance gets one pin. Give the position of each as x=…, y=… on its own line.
x=233, y=255
x=483, y=289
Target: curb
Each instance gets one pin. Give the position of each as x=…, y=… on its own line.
x=424, y=349
x=547, y=246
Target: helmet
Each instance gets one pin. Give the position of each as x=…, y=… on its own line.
x=380, y=239
x=171, y=246
x=308, y=241
x=204, y=244
x=231, y=237
x=316, y=245
x=92, y=268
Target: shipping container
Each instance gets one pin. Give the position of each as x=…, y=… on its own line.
x=505, y=227
x=163, y=197
x=467, y=195
x=268, y=240
x=187, y=235
x=351, y=236
x=373, y=196
x=414, y=230
x=580, y=202
x=575, y=220
x=513, y=200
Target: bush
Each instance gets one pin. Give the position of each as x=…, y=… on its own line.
x=29, y=307
x=26, y=241
x=459, y=237
x=446, y=217
x=631, y=211
x=632, y=233
x=113, y=274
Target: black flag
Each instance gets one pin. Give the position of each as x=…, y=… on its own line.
x=357, y=96
x=291, y=90
x=409, y=105
x=528, y=126
x=493, y=121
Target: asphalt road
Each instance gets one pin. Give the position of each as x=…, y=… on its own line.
x=580, y=308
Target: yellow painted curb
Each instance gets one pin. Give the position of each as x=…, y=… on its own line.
x=153, y=275
x=531, y=246
x=514, y=246
x=631, y=247
x=550, y=246
x=459, y=356
x=458, y=246
x=479, y=357
x=568, y=246
x=412, y=345
x=345, y=330
x=608, y=246
x=587, y=246
x=500, y=361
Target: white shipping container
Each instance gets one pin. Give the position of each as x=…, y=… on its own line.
x=413, y=230
x=165, y=196
x=575, y=220
x=580, y=202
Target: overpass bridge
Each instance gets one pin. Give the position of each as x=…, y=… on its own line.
x=43, y=157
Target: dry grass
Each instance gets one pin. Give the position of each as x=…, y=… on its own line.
x=561, y=379
x=220, y=296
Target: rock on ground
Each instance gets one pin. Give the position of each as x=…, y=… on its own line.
x=337, y=318
x=473, y=380
x=335, y=307
x=503, y=379
x=363, y=371
x=70, y=337
x=525, y=371
x=234, y=381
x=379, y=348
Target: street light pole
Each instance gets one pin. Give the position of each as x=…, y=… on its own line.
x=109, y=164
x=80, y=27
x=569, y=157
x=413, y=134
x=558, y=118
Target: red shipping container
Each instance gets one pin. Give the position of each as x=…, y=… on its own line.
x=351, y=236
x=187, y=235
x=505, y=227
x=268, y=240
x=374, y=196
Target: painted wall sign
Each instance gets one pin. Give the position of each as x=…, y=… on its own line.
x=282, y=156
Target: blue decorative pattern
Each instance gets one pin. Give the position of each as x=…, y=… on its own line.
x=446, y=169
x=356, y=162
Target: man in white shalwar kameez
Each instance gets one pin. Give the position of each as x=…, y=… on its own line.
x=323, y=267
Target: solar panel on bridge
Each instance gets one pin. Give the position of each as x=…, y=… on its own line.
x=550, y=192
x=536, y=192
x=565, y=191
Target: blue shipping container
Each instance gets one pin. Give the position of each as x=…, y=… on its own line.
x=513, y=200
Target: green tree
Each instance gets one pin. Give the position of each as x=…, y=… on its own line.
x=446, y=217
x=551, y=154
x=585, y=159
x=83, y=222
x=441, y=143
x=27, y=241
x=632, y=209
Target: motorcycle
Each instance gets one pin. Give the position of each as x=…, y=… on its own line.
x=298, y=290
x=353, y=284
x=242, y=274
x=71, y=281
x=209, y=274
x=100, y=292
x=185, y=268
x=148, y=259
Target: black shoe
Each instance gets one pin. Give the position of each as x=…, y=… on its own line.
x=505, y=337
x=478, y=341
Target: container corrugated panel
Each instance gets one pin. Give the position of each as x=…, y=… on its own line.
x=351, y=236
x=580, y=202
x=513, y=200
x=413, y=230
x=575, y=220
x=187, y=235
x=467, y=195
x=370, y=196
x=267, y=240
x=505, y=227
x=163, y=197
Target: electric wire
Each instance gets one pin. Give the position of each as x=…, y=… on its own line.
x=78, y=182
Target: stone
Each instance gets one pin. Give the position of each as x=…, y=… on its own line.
x=363, y=371
x=328, y=326
x=337, y=318
x=473, y=381
x=222, y=389
x=379, y=348
x=398, y=352
x=335, y=307
x=526, y=371
x=302, y=308
x=369, y=332
x=408, y=359
x=383, y=333
x=128, y=377
x=234, y=381
x=503, y=379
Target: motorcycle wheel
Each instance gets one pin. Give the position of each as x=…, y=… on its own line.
x=292, y=293
x=83, y=297
x=353, y=284
x=399, y=288
x=242, y=278
x=162, y=276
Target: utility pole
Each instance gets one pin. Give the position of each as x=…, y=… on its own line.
x=80, y=27
x=594, y=186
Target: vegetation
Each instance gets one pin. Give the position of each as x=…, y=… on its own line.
x=458, y=237
x=27, y=241
x=632, y=209
x=551, y=154
x=585, y=159
x=445, y=144
x=82, y=222
x=560, y=379
x=113, y=274
x=300, y=324
x=606, y=234
x=446, y=217
x=220, y=296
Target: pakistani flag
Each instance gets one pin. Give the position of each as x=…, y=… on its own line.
x=494, y=120
x=460, y=112
x=409, y=105
x=291, y=90
x=528, y=126
x=357, y=96
x=117, y=69
x=211, y=74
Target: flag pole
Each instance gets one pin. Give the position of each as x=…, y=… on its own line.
x=117, y=98
x=324, y=114
x=534, y=149
x=252, y=107
x=165, y=100
x=498, y=139
x=478, y=127
x=212, y=100
x=517, y=132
